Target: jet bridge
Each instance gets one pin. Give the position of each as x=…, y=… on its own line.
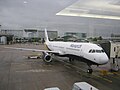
x=114, y=54
x=112, y=49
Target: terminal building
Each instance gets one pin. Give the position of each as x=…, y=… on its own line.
x=16, y=33
x=34, y=33
x=76, y=34
x=115, y=37
x=29, y=33
x=8, y=36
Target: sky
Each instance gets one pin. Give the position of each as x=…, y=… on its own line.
x=20, y=14
x=30, y=13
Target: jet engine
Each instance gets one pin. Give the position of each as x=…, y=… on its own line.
x=47, y=57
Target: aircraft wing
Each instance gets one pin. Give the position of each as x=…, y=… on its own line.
x=34, y=50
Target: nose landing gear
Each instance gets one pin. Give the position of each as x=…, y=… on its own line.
x=90, y=70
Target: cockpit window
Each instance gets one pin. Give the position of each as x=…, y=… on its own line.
x=90, y=51
x=96, y=51
x=102, y=50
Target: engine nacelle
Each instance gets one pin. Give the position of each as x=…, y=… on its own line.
x=47, y=57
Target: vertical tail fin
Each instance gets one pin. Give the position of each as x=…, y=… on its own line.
x=46, y=36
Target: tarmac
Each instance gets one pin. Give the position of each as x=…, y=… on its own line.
x=17, y=72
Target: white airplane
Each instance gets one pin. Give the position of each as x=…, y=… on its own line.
x=90, y=53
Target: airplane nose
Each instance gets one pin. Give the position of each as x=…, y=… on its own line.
x=103, y=59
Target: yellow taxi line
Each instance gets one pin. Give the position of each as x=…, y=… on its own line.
x=92, y=74
x=116, y=73
x=103, y=78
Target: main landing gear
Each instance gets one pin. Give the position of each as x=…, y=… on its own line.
x=71, y=59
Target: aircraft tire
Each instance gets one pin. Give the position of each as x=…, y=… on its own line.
x=89, y=71
x=70, y=59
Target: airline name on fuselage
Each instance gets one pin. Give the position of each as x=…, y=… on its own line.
x=75, y=46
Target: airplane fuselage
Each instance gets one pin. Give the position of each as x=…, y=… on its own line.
x=89, y=51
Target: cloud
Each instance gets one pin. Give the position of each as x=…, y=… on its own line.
x=42, y=13
x=29, y=12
